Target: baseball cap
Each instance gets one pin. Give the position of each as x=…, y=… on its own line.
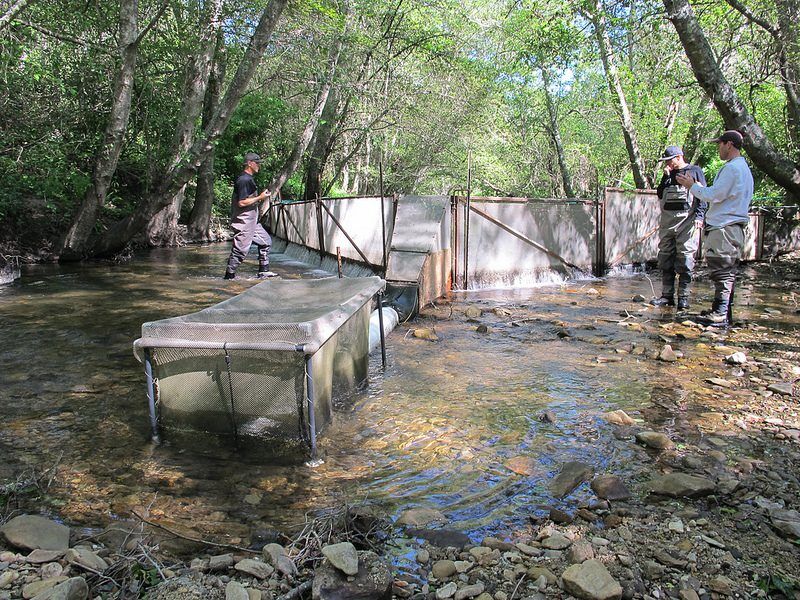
x=252, y=157
x=671, y=152
x=732, y=136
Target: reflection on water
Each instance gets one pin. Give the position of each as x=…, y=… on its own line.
x=435, y=430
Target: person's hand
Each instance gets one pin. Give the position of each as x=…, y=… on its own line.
x=667, y=170
x=684, y=180
x=698, y=223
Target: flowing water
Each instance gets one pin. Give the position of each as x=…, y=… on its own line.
x=453, y=425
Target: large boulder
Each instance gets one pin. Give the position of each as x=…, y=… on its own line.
x=32, y=532
x=372, y=582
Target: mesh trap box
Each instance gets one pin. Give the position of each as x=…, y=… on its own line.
x=264, y=366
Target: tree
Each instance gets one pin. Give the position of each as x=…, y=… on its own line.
x=734, y=114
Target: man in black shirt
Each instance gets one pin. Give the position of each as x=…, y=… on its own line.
x=681, y=216
x=244, y=220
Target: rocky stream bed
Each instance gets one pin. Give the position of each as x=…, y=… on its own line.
x=710, y=509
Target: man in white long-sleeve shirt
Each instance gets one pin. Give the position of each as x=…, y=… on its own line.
x=726, y=218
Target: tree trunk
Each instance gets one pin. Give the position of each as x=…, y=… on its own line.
x=664, y=139
x=291, y=164
x=555, y=133
x=74, y=244
x=162, y=230
x=734, y=114
x=200, y=217
x=697, y=129
x=116, y=238
x=321, y=148
x=597, y=17
x=788, y=14
x=12, y=11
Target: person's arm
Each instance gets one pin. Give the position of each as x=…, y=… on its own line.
x=254, y=199
x=700, y=206
x=662, y=185
x=723, y=183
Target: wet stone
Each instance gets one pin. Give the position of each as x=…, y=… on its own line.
x=257, y=569
x=654, y=440
x=373, y=581
x=571, y=476
x=37, y=587
x=420, y=516
x=610, y=487
x=618, y=417
x=783, y=388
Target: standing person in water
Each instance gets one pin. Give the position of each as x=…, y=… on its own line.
x=728, y=207
x=681, y=217
x=244, y=220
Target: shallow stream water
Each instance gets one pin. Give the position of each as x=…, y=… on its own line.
x=454, y=425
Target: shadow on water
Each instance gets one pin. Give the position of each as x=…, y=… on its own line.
x=438, y=429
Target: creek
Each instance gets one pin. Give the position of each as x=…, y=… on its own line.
x=438, y=429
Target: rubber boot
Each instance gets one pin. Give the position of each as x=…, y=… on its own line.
x=229, y=274
x=663, y=301
x=264, y=272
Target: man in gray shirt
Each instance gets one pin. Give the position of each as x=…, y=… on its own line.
x=726, y=218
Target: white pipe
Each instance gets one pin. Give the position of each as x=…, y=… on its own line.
x=390, y=321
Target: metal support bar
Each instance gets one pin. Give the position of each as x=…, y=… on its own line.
x=524, y=238
x=466, y=220
x=312, y=417
x=383, y=217
x=151, y=396
x=349, y=239
x=631, y=246
x=380, y=324
x=320, y=230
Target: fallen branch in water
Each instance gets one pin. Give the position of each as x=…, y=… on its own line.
x=194, y=539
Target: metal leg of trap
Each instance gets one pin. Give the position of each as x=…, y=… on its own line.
x=151, y=396
x=312, y=419
x=380, y=324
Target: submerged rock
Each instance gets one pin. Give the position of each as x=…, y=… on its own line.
x=571, y=476
x=420, y=516
x=654, y=439
x=425, y=333
x=618, y=417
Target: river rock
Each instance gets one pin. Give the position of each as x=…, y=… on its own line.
x=580, y=552
x=30, y=532
x=43, y=556
x=591, y=581
x=420, y=516
x=667, y=354
x=86, y=559
x=256, y=568
x=343, y=556
x=425, y=333
x=522, y=465
x=618, y=417
x=784, y=388
x=557, y=541
x=236, y=591
x=654, y=439
x=75, y=588
x=571, y=476
x=373, y=581
x=787, y=522
x=469, y=591
x=610, y=487
x=536, y=572
x=442, y=569
x=446, y=591
x=221, y=562
x=37, y=587
x=473, y=312
x=737, y=358
x=678, y=485
x=443, y=538
x=276, y=555
x=724, y=383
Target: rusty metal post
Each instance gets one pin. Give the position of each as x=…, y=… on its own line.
x=466, y=220
x=320, y=229
x=383, y=215
x=339, y=260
